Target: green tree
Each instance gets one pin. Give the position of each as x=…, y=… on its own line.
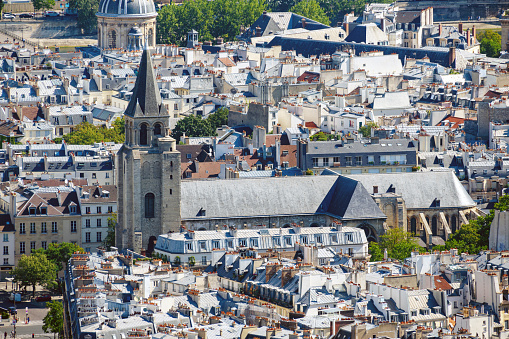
x=53, y=322
x=2, y=4
x=87, y=134
x=176, y=261
x=366, y=129
x=192, y=261
x=60, y=253
x=312, y=10
x=375, y=251
x=491, y=43
x=321, y=136
x=281, y=5
x=399, y=245
x=43, y=4
x=110, y=237
x=34, y=269
x=218, y=118
x=474, y=236
x=211, y=19
x=193, y=126
x=87, y=20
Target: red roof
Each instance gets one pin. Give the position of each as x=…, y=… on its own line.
x=310, y=124
x=309, y=77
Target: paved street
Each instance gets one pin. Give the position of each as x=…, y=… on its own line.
x=36, y=311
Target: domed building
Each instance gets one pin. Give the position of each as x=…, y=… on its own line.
x=117, y=18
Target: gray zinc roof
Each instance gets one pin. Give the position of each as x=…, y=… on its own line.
x=420, y=189
x=338, y=196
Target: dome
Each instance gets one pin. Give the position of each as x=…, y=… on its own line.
x=126, y=7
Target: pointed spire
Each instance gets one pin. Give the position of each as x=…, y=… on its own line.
x=146, y=92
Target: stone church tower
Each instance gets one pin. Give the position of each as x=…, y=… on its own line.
x=148, y=167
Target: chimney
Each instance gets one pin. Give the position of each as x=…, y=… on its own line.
x=468, y=37
x=271, y=270
x=258, y=31
x=474, y=31
x=460, y=27
x=440, y=29
x=303, y=23
x=452, y=56
x=382, y=25
x=207, y=43
x=346, y=27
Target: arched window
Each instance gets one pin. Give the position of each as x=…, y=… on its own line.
x=158, y=129
x=149, y=205
x=413, y=225
x=143, y=135
x=112, y=39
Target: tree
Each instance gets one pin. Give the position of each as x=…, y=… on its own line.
x=2, y=4
x=218, y=118
x=399, y=245
x=474, y=236
x=87, y=134
x=366, y=129
x=193, y=126
x=35, y=269
x=211, y=19
x=320, y=136
x=60, y=253
x=110, y=237
x=43, y=4
x=87, y=20
x=312, y=10
x=176, y=261
x=491, y=43
x=375, y=252
x=53, y=322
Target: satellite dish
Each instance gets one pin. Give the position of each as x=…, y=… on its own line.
x=233, y=91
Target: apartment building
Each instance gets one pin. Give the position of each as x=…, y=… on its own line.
x=98, y=203
x=49, y=215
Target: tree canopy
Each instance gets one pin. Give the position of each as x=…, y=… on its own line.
x=399, y=245
x=87, y=20
x=34, y=269
x=110, y=237
x=211, y=19
x=474, y=236
x=43, y=4
x=195, y=126
x=53, y=322
x=366, y=129
x=59, y=253
x=312, y=10
x=491, y=42
x=87, y=134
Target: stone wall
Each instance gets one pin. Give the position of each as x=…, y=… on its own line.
x=487, y=114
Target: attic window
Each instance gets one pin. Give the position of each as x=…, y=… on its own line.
x=44, y=210
x=72, y=209
x=188, y=155
x=32, y=210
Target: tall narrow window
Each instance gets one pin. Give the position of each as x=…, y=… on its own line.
x=112, y=39
x=158, y=130
x=143, y=135
x=149, y=205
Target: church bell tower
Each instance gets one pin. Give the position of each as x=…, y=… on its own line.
x=148, y=167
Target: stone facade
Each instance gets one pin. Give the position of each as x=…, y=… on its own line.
x=115, y=19
x=112, y=32
x=149, y=168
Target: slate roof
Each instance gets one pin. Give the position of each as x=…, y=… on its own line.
x=338, y=196
x=146, y=98
x=420, y=189
x=308, y=47
x=367, y=33
x=272, y=22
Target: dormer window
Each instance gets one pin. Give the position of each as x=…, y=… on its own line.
x=32, y=210
x=72, y=209
x=44, y=210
